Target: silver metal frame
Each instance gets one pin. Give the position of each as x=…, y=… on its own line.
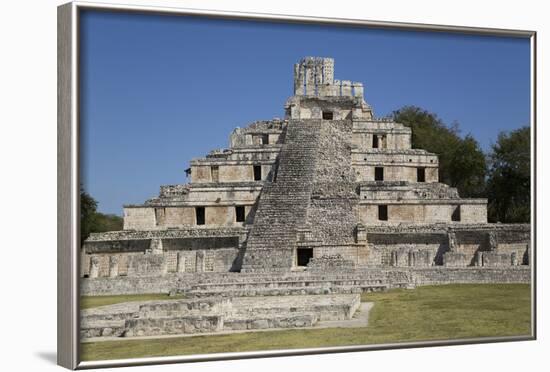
x=68, y=204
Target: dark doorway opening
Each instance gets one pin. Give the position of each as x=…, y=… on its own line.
x=421, y=175
x=327, y=115
x=199, y=215
x=379, y=174
x=239, y=213
x=304, y=255
x=455, y=217
x=383, y=212
x=257, y=173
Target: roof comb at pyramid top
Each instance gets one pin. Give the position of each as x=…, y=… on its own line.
x=314, y=76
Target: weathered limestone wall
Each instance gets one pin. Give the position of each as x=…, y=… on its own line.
x=241, y=171
x=223, y=194
x=452, y=245
x=253, y=138
x=127, y=285
x=473, y=213
x=139, y=219
x=206, y=259
x=157, y=253
x=433, y=276
x=173, y=217
x=392, y=136
x=395, y=172
x=411, y=157
x=356, y=253
x=424, y=211
x=395, y=249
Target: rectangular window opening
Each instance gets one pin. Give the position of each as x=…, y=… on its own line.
x=421, y=175
x=303, y=256
x=382, y=212
x=374, y=141
x=455, y=217
x=239, y=213
x=200, y=215
x=379, y=174
x=265, y=139
x=328, y=115
x=257, y=173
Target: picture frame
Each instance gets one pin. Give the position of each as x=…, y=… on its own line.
x=69, y=173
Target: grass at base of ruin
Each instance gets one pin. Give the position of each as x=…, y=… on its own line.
x=425, y=313
x=87, y=302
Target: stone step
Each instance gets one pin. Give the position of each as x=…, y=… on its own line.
x=286, y=284
x=215, y=314
x=281, y=320
x=291, y=291
x=113, y=328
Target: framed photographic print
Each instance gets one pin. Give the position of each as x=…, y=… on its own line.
x=236, y=185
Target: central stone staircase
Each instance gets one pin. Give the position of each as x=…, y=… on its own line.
x=283, y=204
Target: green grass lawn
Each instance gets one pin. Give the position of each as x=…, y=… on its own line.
x=87, y=302
x=425, y=313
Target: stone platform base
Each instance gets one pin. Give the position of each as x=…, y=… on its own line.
x=206, y=285
x=215, y=315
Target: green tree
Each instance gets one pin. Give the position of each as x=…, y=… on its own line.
x=92, y=221
x=462, y=164
x=88, y=207
x=509, y=182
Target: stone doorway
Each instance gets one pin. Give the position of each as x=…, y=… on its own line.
x=303, y=255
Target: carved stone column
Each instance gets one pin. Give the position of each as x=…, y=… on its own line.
x=394, y=261
x=181, y=262
x=514, y=259
x=479, y=258
x=94, y=267
x=412, y=259
x=113, y=266
x=156, y=246
x=493, y=241
x=452, y=242
x=199, y=263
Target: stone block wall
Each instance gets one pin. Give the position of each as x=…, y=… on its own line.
x=455, y=259
x=449, y=245
x=393, y=172
x=184, y=216
x=139, y=219
x=497, y=259
x=397, y=136
x=424, y=211
x=447, y=275
x=473, y=213
x=404, y=250
x=354, y=253
x=239, y=171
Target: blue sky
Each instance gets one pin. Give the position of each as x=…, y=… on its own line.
x=157, y=91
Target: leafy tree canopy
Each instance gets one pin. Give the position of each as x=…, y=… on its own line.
x=91, y=220
x=509, y=182
x=462, y=163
